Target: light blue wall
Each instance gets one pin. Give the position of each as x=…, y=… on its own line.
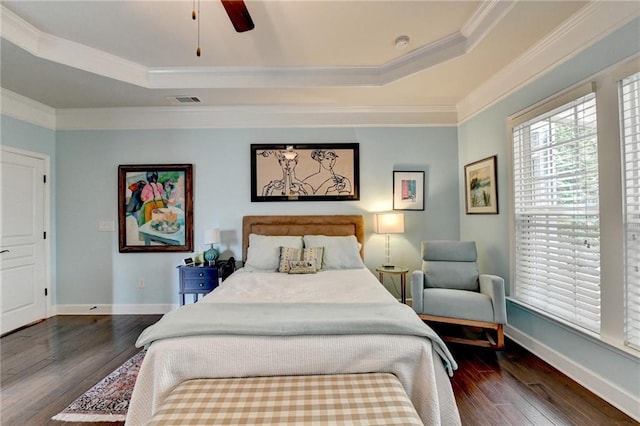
x=92, y=271
x=29, y=137
x=25, y=136
x=485, y=135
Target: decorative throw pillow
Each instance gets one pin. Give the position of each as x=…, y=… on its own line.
x=314, y=255
x=302, y=267
x=287, y=255
x=263, y=253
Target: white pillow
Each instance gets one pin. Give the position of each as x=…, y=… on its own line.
x=339, y=252
x=263, y=252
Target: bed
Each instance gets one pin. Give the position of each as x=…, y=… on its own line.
x=261, y=323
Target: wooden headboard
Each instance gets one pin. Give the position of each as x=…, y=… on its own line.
x=331, y=225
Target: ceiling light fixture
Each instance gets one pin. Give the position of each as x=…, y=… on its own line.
x=401, y=42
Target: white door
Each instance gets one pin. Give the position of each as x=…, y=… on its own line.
x=22, y=242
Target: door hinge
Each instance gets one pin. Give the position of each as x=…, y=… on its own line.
x=45, y=235
x=46, y=291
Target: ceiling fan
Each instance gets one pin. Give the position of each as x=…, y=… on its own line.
x=238, y=14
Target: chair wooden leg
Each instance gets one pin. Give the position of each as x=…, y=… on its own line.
x=489, y=341
x=500, y=332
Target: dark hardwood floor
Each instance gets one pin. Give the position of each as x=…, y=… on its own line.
x=46, y=366
x=514, y=387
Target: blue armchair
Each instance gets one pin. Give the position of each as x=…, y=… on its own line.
x=450, y=289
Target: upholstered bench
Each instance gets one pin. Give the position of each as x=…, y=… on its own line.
x=354, y=399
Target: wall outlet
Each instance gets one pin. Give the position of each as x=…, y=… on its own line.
x=141, y=283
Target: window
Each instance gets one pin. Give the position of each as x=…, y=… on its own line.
x=630, y=131
x=556, y=209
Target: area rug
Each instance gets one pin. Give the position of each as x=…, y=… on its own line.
x=108, y=400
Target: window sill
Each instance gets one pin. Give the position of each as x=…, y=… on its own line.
x=617, y=347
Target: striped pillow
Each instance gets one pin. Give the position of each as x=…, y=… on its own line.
x=314, y=254
x=287, y=254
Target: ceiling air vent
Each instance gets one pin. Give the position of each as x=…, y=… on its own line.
x=184, y=100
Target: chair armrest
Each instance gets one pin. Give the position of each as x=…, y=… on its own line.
x=493, y=286
x=417, y=287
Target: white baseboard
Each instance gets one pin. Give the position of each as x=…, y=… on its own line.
x=125, y=309
x=619, y=398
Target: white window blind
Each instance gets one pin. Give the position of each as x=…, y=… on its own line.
x=630, y=129
x=556, y=209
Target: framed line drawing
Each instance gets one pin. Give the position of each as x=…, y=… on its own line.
x=481, y=186
x=305, y=172
x=408, y=190
x=155, y=208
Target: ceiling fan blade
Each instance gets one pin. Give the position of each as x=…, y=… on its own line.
x=239, y=15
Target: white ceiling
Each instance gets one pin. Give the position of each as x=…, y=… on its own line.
x=327, y=53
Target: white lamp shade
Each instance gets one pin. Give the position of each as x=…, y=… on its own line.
x=389, y=223
x=212, y=236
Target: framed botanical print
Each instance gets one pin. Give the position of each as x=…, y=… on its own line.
x=408, y=190
x=305, y=172
x=481, y=186
x=155, y=208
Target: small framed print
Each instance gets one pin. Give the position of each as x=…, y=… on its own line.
x=408, y=190
x=481, y=186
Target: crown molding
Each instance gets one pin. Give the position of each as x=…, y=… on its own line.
x=591, y=24
x=22, y=108
x=66, y=52
x=290, y=116
x=485, y=18
x=56, y=49
x=193, y=117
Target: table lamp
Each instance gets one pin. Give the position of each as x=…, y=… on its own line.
x=389, y=223
x=211, y=236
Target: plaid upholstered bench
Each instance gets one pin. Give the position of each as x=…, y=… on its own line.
x=353, y=399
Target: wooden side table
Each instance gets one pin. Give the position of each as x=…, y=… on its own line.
x=396, y=270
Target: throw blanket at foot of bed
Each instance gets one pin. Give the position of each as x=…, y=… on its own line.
x=288, y=319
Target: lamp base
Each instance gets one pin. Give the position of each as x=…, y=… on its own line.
x=211, y=255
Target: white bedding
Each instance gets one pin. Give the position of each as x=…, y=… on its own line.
x=338, y=286
x=412, y=359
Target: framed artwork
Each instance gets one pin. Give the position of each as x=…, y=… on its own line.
x=408, y=190
x=309, y=172
x=481, y=186
x=155, y=207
